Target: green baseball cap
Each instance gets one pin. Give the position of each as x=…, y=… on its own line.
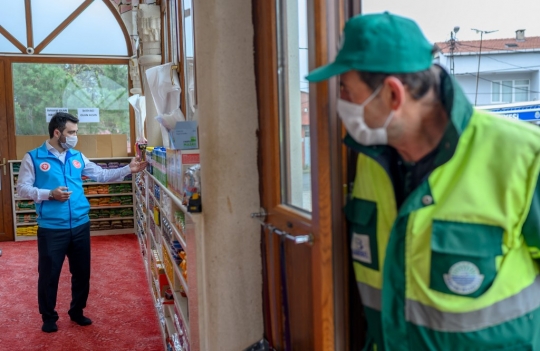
x=382, y=43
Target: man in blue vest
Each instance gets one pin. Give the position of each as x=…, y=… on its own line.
x=51, y=175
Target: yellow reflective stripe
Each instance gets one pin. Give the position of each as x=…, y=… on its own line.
x=371, y=297
x=505, y=310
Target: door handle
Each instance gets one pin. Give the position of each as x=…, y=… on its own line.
x=3, y=164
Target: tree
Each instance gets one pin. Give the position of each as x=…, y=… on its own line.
x=38, y=86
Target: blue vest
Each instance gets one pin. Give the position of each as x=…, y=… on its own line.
x=51, y=173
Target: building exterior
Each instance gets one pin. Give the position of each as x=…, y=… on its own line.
x=495, y=71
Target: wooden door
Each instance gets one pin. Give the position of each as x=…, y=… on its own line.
x=6, y=213
x=300, y=172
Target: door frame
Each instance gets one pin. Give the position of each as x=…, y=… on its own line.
x=6, y=140
x=324, y=22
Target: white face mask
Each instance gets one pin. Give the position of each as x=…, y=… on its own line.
x=352, y=116
x=70, y=143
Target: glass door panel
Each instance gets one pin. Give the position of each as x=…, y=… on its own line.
x=294, y=104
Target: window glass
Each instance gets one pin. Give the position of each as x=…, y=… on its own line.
x=7, y=47
x=46, y=18
x=189, y=59
x=188, y=23
x=13, y=21
x=166, y=35
x=507, y=90
x=173, y=28
x=521, y=90
x=94, y=32
x=38, y=86
x=496, y=92
x=294, y=103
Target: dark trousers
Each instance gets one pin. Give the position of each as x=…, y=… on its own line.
x=53, y=246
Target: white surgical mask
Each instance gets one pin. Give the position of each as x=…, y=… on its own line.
x=70, y=143
x=352, y=116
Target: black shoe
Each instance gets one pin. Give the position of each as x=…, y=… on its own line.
x=82, y=320
x=49, y=327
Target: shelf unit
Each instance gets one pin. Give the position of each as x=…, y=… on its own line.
x=163, y=226
x=31, y=221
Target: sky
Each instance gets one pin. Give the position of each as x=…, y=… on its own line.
x=437, y=18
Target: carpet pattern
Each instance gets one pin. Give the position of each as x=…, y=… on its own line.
x=120, y=304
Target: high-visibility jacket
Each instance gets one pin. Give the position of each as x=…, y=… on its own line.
x=51, y=173
x=454, y=267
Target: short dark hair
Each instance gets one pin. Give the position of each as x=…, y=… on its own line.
x=58, y=121
x=418, y=83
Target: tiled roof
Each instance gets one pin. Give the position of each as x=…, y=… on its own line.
x=510, y=44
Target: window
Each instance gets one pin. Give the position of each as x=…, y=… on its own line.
x=521, y=90
x=92, y=84
x=294, y=103
x=189, y=58
x=507, y=91
x=39, y=87
x=55, y=32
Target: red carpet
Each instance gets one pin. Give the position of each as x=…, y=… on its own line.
x=120, y=304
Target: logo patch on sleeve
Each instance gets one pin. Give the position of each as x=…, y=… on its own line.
x=45, y=166
x=361, y=251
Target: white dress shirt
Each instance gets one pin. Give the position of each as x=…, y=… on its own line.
x=27, y=176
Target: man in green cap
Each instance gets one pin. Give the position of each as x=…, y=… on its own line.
x=445, y=209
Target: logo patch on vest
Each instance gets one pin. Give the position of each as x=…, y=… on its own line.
x=361, y=251
x=463, y=278
x=45, y=166
x=76, y=164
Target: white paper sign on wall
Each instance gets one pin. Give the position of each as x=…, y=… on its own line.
x=50, y=111
x=87, y=114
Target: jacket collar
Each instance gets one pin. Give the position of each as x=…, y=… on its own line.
x=457, y=107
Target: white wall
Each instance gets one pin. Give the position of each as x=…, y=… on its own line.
x=230, y=279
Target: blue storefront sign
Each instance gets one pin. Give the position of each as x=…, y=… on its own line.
x=523, y=113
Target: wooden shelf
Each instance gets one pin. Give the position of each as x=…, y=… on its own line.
x=21, y=224
x=178, y=235
x=182, y=306
x=185, y=307
x=92, y=233
x=16, y=212
x=111, y=219
x=178, y=272
x=105, y=195
x=112, y=232
x=97, y=183
x=18, y=198
x=106, y=207
x=173, y=197
x=25, y=237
